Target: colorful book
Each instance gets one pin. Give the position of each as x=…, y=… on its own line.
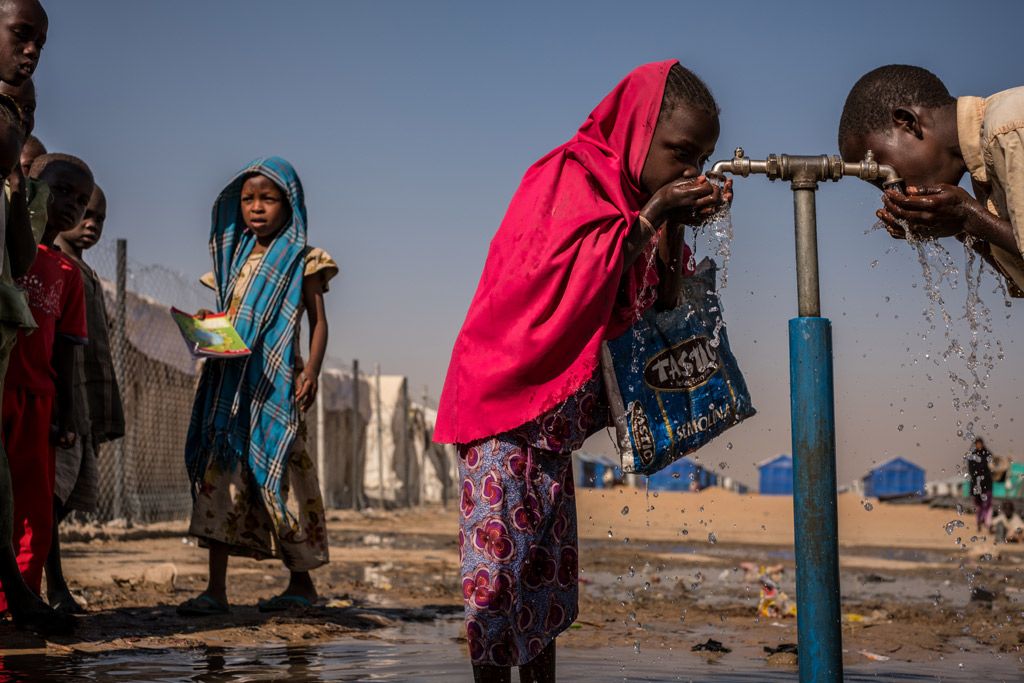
x=211, y=337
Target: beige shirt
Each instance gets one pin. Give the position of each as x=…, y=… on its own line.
x=991, y=132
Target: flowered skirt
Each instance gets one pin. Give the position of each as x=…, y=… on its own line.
x=230, y=509
x=518, y=547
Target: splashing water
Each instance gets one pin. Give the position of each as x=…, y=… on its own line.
x=968, y=365
x=718, y=231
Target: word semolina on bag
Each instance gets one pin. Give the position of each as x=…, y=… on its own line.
x=672, y=381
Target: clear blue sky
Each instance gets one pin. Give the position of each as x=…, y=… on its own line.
x=411, y=123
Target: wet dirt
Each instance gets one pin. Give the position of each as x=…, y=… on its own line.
x=391, y=591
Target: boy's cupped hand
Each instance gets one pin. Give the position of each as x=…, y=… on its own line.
x=932, y=211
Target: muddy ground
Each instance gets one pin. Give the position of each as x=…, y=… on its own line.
x=401, y=568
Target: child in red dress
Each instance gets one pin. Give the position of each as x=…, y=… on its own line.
x=37, y=390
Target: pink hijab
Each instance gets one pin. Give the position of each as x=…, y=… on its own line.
x=548, y=295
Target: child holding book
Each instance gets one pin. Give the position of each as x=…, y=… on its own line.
x=254, y=486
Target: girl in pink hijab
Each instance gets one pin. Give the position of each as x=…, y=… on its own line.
x=573, y=264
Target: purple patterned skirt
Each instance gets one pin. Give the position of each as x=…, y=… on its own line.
x=518, y=548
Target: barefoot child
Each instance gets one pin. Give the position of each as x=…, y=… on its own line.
x=99, y=415
x=566, y=270
x=254, y=486
x=906, y=116
x=37, y=389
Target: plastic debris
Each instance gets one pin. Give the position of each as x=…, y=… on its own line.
x=774, y=603
x=711, y=645
x=979, y=594
x=876, y=578
x=339, y=603
x=874, y=657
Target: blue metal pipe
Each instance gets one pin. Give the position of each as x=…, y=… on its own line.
x=816, y=527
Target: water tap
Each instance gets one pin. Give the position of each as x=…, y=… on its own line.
x=808, y=169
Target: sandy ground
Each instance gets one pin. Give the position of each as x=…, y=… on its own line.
x=658, y=572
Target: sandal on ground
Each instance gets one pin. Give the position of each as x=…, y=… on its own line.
x=283, y=603
x=204, y=605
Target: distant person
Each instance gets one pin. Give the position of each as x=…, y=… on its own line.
x=20, y=50
x=571, y=265
x=255, y=489
x=906, y=116
x=37, y=397
x=1007, y=525
x=98, y=413
x=979, y=472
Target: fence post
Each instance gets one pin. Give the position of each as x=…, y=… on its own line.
x=404, y=450
x=321, y=449
x=380, y=440
x=120, y=339
x=423, y=455
x=356, y=486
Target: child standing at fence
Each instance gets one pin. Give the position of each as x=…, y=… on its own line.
x=37, y=395
x=99, y=415
x=564, y=273
x=254, y=486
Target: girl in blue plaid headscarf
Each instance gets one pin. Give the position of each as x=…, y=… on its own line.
x=254, y=487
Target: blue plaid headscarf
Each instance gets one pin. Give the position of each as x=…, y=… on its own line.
x=245, y=409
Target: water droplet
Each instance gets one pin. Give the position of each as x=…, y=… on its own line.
x=609, y=533
x=874, y=264
x=729, y=445
x=953, y=525
x=869, y=507
x=625, y=510
x=712, y=538
x=900, y=428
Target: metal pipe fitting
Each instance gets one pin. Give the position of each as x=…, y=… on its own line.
x=806, y=170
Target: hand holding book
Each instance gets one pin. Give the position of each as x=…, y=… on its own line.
x=209, y=335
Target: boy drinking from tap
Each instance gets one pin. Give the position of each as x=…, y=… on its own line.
x=907, y=117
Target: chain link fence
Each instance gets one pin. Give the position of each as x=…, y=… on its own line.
x=371, y=443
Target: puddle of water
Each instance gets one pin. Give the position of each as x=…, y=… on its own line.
x=362, y=661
